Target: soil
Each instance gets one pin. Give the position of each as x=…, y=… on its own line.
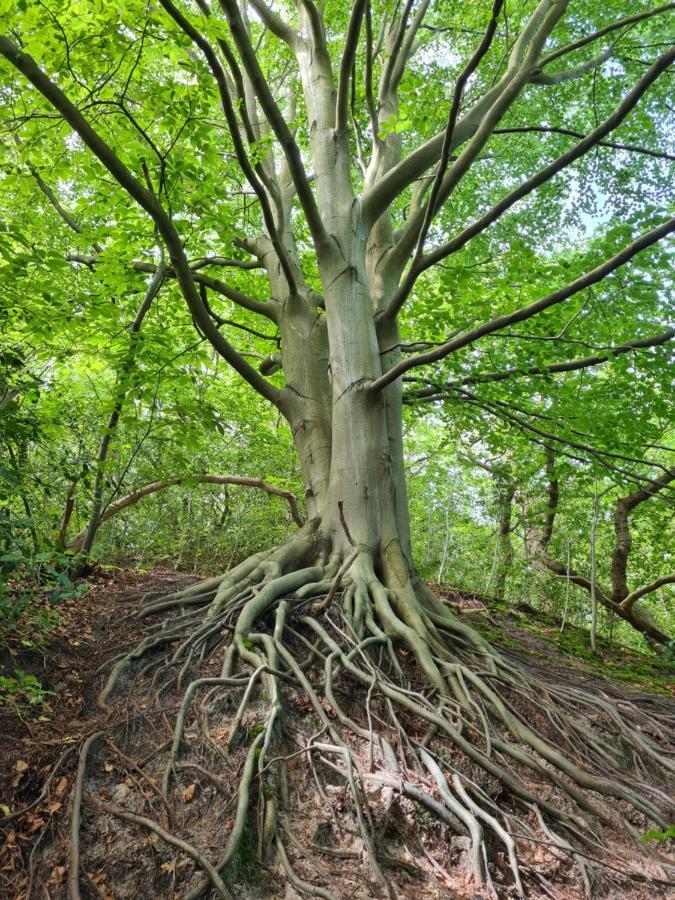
x=40, y=747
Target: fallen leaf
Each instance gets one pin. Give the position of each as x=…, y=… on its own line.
x=57, y=875
x=35, y=823
x=189, y=792
x=61, y=787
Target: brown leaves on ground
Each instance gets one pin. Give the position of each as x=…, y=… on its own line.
x=92, y=627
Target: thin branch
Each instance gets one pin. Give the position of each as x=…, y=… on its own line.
x=631, y=599
x=378, y=198
x=532, y=309
x=275, y=23
x=231, y=117
x=628, y=103
x=72, y=223
x=155, y=486
x=226, y=262
x=220, y=321
x=547, y=79
x=613, y=145
x=25, y=64
x=504, y=409
x=620, y=23
x=368, y=71
x=276, y=120
x=261, y=307
x=543, y=438
x=554, y=368
x=408, y=45
x=523, y=57
x=347, y=64
x=387, y=84
x=432, y=204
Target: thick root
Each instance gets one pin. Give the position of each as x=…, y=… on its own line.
x=375, y=691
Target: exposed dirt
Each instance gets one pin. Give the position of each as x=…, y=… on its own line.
x=39, y=745
x=40, y=750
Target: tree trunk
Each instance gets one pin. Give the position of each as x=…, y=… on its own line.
x=617, y=601
x=505, y=490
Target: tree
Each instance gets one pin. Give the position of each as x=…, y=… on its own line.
x=297, y=142
x=619, y=600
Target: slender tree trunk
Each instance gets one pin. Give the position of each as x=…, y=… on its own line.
x=121, y=393
x=505, y=491
x=17, y=465
x=594, y=599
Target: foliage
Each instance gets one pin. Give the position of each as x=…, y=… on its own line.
x=21, y=688
x=65, y=322
x=654, y=835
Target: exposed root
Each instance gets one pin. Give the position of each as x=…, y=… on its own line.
x=191, y=851
x=404, y=706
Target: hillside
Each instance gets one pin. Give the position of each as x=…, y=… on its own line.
x=40, y=745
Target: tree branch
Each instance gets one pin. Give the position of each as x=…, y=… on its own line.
x=560, y=77
x=387, y=84
x=346, y=65
x=620, y=23
x=377, y=199
x=72, y=223
x=554, y=368
x=148, y=202
x=407, y=47
x=226, y=262
x=154, y=486
x=427, y=214
x=623, y=539
x=261, y=307
x=627, y=604
x=629, y=102
x=276, y=121
x=504, y=411
x=252, y=174
x=526, y=312
x=523, y=57
x=613, y=145
x=275, y=23
x=637, y=619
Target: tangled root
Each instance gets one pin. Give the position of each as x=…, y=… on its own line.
x=403, y=705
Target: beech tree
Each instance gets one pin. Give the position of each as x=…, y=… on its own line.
x=333, y=159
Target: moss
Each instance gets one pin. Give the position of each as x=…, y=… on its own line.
x=644, y=671
x=244, y=865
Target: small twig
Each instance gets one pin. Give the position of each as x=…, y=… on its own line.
x=134, y=765
x=20, y=812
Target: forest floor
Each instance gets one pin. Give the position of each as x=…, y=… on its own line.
x=40, y=743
